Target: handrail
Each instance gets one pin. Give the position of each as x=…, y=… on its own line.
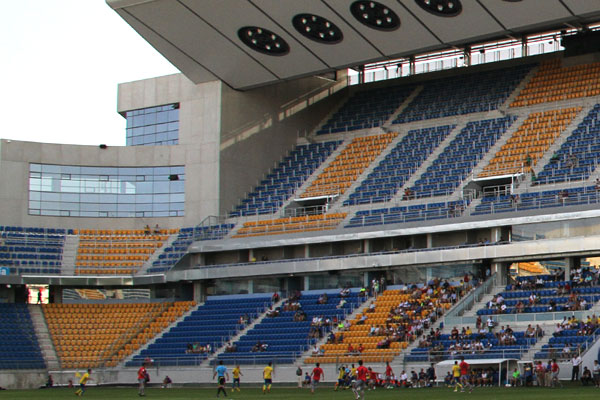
x=467, y=302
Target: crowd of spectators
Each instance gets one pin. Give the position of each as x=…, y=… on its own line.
x=197, y=348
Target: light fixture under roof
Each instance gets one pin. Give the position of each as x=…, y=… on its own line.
x=317, y=28
x=441, y=8
x=263, y=41
x=375, y=15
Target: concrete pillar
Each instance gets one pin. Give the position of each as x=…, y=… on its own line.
x=367, y=246
x=306, y=251
x=428, y=274
x=251, y=286
x=198, y=292
x=429, y=240
x=524, y=46
x=571, y=263
x=306, y=283
x=366, y=282
x=501, y=270
x=467, y=56
x=251, y=257
x=496, y=234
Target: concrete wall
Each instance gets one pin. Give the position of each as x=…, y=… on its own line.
x=256, y=133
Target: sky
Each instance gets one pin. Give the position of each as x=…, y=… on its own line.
x=61, y=62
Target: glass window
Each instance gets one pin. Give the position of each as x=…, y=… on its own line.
x=148, y=126
x=106, y=191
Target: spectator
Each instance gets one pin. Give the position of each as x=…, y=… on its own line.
x=167, y=382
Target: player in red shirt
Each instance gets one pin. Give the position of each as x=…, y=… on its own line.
x=142, y=379
x=316, y=374
x=389, y=374
x=464, y=375
x=358, y=386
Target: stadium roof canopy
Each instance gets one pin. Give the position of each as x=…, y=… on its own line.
x=249, y=43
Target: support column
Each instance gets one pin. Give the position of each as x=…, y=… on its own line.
x=428, y=274
x=366, y=246
x=306, y=251
x=501, y=270
x=251, y=257
x=496, y=234
x=306, y=283
x=524, y=46
x=198, y=298
x=571, y=263
x=467, y=56
x=251, y=286
x=411, y=65
x=429, y=240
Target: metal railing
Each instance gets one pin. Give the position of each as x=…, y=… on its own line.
x=468, y=301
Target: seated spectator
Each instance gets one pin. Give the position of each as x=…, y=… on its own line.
x=257, y=347
x=345, y=292
x=156, y=229
x=515, y=380
x=362, y=320
x=230, y=348
x=167, y=382
x=323, y=299
x=586, y=377
x=341, y=304
x=371, y=308
x=273, y=313
x=275, y=297
x=306, y=381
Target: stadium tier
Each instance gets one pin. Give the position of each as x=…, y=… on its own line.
x=394, y=170
x=211, y=324
x=281, y=182
x=529, y=143
x=389, y=324
x=95, y=335
x=472, y=346
x=20, y=348
x=366, y=109
x=458, y=159
x=32, y=250
x=308, y=223
x=554, y=82
x=290, y=330
x=117, y=252
x=412, y=213
x=348, y=165
x=465, y=94
x=578, y=156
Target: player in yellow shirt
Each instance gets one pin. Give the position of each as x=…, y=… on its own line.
x=341, y=375
x=456, y=376
x=83, y=380
x=268, y=377
x=353, y=372
x=236, y=378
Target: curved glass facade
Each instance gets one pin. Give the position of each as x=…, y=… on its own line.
x=76, y=191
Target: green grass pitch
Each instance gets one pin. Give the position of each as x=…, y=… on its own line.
x=323, y=393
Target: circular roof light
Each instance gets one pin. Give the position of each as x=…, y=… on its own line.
x=317, y=28
x=441, y=8
x=263, y=40
x=375, y=15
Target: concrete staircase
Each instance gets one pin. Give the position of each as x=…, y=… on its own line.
x=69, y=256
x=43, y=336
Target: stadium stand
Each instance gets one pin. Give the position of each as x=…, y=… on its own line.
x=306, y=223
x=465, y=94
x=93, y=335
x=284, y=336
x=32, y=250
x=553, y=82
x=348, y=165
x=578, y=157
x=529, y=143
x=537, y=200
x=412, y=213
x=570, y=337
x=20, y=348
x=472, y=345
x=212, y=323
x=366, y=109
x=279, y=185
x=458, y=159
x=393, y=321
x=117, y=252
x=396, y=168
